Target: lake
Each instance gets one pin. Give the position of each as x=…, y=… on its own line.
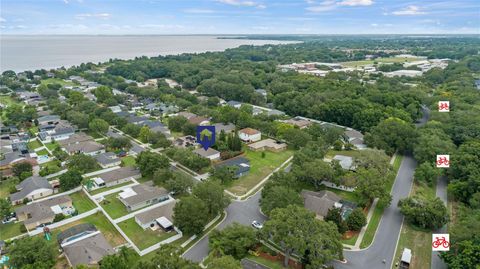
x=20, y=53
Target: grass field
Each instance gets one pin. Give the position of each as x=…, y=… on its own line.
x=114, y=207
x=352, y=153
x=10, y=230
x=81, y=202
x=5, y=186
x=42, y=152
x=128, y=161
x=97, y=191
x=50, y=164
x=143, y=238
x=34, y=144
x=259, y=169
x=414, y=238
x=56, y=81
x=268, y=263
x=380, y=60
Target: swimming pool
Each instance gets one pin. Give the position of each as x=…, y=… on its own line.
x=43, y=159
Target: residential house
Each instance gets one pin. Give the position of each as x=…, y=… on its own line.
x=91, y=148
x=75, y=139
x=136, y=119
x=185, y=141
x=241, y=164
x=261, y=92
x=298, y=122
x=115, y=177
x=115, y=109
x=210, y=153
x=59, y=131
x=43, y=212
x=354, y=137
x=108, y=159
x=234, y=104
x=320, y=202
x=186, y=114
x=267, y=144
x=275, y=112
x=161, y=216
x=249, y=135
x=32, y=188
x=199, y=120
x=48, y=119
x=404, y=73
x=84, y=244
x=257, y=111
x=227, y=128
x=158, y=127
x=346, y=162
x=142, y=195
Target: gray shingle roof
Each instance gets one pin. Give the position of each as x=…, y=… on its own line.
x=107, y=158
x=144, y=193
x=42, y=210
x=165, y=210
x=88, y=251
x=118, y=174
x=28, y=185
x=242, y=163
x=320, y=202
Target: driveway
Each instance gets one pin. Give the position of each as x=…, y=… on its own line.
x=243, y=212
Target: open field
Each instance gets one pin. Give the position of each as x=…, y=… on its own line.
x=56, y=81
x=81, y=202
x=143, y=238
x=34, y=144
x=259, y=169
x=380, y=60
x=128, y=161
x=5, y=186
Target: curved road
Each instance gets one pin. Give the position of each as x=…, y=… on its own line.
x=243, y=212
x=388, y=231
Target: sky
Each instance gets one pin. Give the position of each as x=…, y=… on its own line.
x=239, y=17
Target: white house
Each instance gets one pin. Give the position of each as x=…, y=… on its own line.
x=209, y=153
x=250, y=135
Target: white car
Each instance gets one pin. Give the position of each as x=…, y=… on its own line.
x=257, y=225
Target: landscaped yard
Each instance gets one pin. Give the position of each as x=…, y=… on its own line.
x=114, y=207
x=143, y=238
x=97, y=191
x=5, y=186
x=34, y=144
x=128, y=161
x=51, y=164
x=352, y=153
x=10, y=230
x=265, y=262
x=95, y=135
x=81, y=202
x=259, y=169
x=52, y=146
x=42, y=152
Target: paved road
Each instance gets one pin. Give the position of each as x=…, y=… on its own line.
x=243, y=212
x=386, y=237
x=442, y=183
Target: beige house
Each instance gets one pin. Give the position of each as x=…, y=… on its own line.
x=267, y=144
x=44, y=212
x=32, y=188
x=249, y=135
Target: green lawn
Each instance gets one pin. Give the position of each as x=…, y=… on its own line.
x=350, y=241
x=128, y=161
x=10, y=230
x=42, y=152
x=56, y=81
x=114, y=207
x=352, y=153
x=380, y=60
x=81, y=202
x=95, y=135
x=143, y=238
x=34, y=144
x=5, y=186
x=97, y=191
x=52, y=146
x=259, y=169
x=265, y=262
x=51, y=164
x=33, y=129
x=397, y=162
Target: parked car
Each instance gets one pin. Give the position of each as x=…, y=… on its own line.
x=8, y=220
x=257, y=225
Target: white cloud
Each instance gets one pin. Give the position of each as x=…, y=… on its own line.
x=245, y=3
x=93, y=15
x=162, y=26
x=2, y=19
x=353, y=3
x=333, y=4
x=410, y=10
x=198, y=11
x=374, y=24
